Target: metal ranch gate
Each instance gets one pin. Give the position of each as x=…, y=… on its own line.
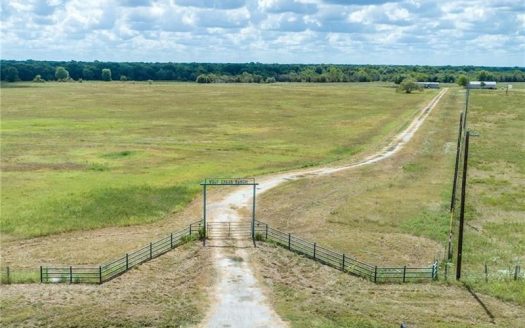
x=217, y=229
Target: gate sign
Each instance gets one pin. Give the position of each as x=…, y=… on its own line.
x=229, y=181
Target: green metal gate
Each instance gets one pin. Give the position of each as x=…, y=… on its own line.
x=229, y=230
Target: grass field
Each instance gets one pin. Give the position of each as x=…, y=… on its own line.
x=495, y=226
x=91, y=155
x=396, y=212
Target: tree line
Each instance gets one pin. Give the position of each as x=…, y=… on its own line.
x=40, y=71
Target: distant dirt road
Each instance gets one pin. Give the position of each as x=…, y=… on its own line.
x=239, y=301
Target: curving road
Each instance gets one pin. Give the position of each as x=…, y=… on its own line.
x=239, y=301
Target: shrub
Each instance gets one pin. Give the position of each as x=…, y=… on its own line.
x=61, y=74
x=408, y=85
x=38, y=79
x=462, y=81
x=203, y=78
x=202, y=234
x=106, y=74
x=123, y=78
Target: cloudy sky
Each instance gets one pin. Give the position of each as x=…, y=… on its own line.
x=434, y=32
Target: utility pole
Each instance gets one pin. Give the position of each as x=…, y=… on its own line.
x=456, y=167
x=454, y=187
x=466, y=109
x=462, y=212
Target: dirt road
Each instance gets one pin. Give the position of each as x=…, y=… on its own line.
x=239, y=301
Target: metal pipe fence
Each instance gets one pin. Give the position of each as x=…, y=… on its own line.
x=113, y=268
x=343, y=261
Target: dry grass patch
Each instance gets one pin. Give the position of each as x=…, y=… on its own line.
x=169, y=291
x=308, y=294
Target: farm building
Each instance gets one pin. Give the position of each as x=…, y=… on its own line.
x=429, y=85
x=482, y=85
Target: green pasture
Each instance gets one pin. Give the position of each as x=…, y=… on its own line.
x=495, y=220
x=90, y=155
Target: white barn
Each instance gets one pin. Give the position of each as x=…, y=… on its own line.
x=482, y=85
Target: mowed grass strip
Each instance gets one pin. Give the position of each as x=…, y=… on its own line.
x=84, y=156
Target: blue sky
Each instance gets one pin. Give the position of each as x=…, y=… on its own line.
x=432, y=32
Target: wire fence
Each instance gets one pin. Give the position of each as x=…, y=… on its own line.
x=342, y=261
x=114, y=268
x=487, y=272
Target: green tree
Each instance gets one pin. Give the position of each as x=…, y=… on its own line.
x=106, y=74
x=334, y=74
x=123, y=78
x=486, y=76
x=12, y=74
x=408, y=85
x=462, y=81
x=88, y=74
x=61, y=74
x=38, y=78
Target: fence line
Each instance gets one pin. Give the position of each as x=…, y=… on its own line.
x=486, y=272
x=113, y=268
x=342, y=261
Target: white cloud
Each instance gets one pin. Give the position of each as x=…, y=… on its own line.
x=339, y=31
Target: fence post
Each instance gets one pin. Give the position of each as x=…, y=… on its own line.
x=516, y=273
x=8, y=275
x=266, y=232
x=289, y=242
x=127, y=262
x=100, y=274
x=171, y=238
x=41, y=275
x=486, y=273
x=70, y=274
x=150, y=251
x=343, y=268
x=190, y=228
x=405, y=273
x=375, y=273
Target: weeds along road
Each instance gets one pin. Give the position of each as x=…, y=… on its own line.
x=238, y=299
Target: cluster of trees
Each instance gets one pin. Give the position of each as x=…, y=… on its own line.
x=252, y=72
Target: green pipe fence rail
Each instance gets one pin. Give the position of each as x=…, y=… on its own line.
x=116, y=267
x=342, y=261
x=18, y=275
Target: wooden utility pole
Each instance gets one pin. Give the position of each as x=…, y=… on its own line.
x=466, y=109
x=462, y=212
x=456, y=167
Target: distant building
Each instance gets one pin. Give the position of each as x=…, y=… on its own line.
x=429, y=85
x=482, y=85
